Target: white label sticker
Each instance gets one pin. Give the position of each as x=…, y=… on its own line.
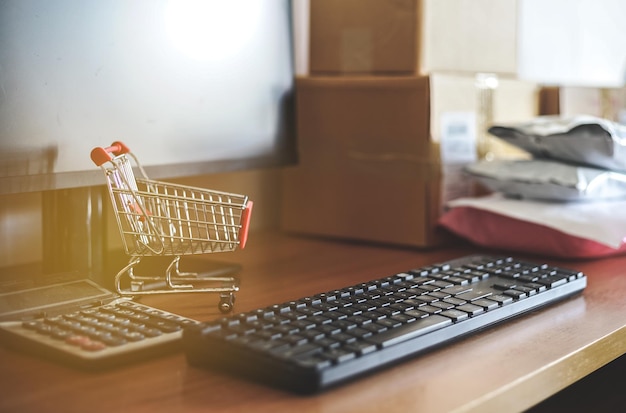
x=458, y=137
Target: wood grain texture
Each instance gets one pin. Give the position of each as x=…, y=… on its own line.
x=507, y=368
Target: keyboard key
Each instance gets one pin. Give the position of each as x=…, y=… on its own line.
x=455, y=315
x=471, y=309
x=300, y=348
x=501, y=299
x=408, y=331
x=518, y=295
x=361, y=347
x=552, y=281
x=339, y=355
x=457, y=289
x=474, y=294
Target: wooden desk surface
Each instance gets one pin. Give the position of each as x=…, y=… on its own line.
x=506, y=368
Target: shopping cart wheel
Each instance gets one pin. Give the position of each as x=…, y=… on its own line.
x=227, y=302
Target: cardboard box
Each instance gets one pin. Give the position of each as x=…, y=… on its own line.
x=549, y=100
x=469, y=36
x=370, y=156
x=378, y=201
x=513, y=100
x=366, y=169
x=364, y=36
x=608, y=103
x=411, y=37
x=379, y=116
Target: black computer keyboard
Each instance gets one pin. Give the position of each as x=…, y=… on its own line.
x=316, y=342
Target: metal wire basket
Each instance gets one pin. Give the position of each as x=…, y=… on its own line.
x=163, y=219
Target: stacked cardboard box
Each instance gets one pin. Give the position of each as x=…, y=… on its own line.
x=391, y=86
x=609, y=103
x=412, y=36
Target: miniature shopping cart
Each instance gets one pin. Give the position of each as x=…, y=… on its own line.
x=164, y=219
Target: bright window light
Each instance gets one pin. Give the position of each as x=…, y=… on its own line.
x=200, y=28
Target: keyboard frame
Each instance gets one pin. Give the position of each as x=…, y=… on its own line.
x=272, y=371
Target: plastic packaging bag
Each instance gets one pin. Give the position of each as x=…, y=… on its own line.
x=584, y=140
x=549, y=180
x=560, y=229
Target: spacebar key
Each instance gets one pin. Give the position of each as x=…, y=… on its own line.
x=409, y=331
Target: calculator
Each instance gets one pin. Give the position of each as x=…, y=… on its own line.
x=82, y=324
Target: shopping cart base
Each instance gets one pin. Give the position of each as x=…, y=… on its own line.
x=127, y=283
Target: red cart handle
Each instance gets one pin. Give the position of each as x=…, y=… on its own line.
x=245, y=224
x=101, y=155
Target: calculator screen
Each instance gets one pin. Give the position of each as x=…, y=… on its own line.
x=41, y=298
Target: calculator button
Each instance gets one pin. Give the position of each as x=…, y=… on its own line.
x=93, y=346
x=134, y=336
x=77, y=340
